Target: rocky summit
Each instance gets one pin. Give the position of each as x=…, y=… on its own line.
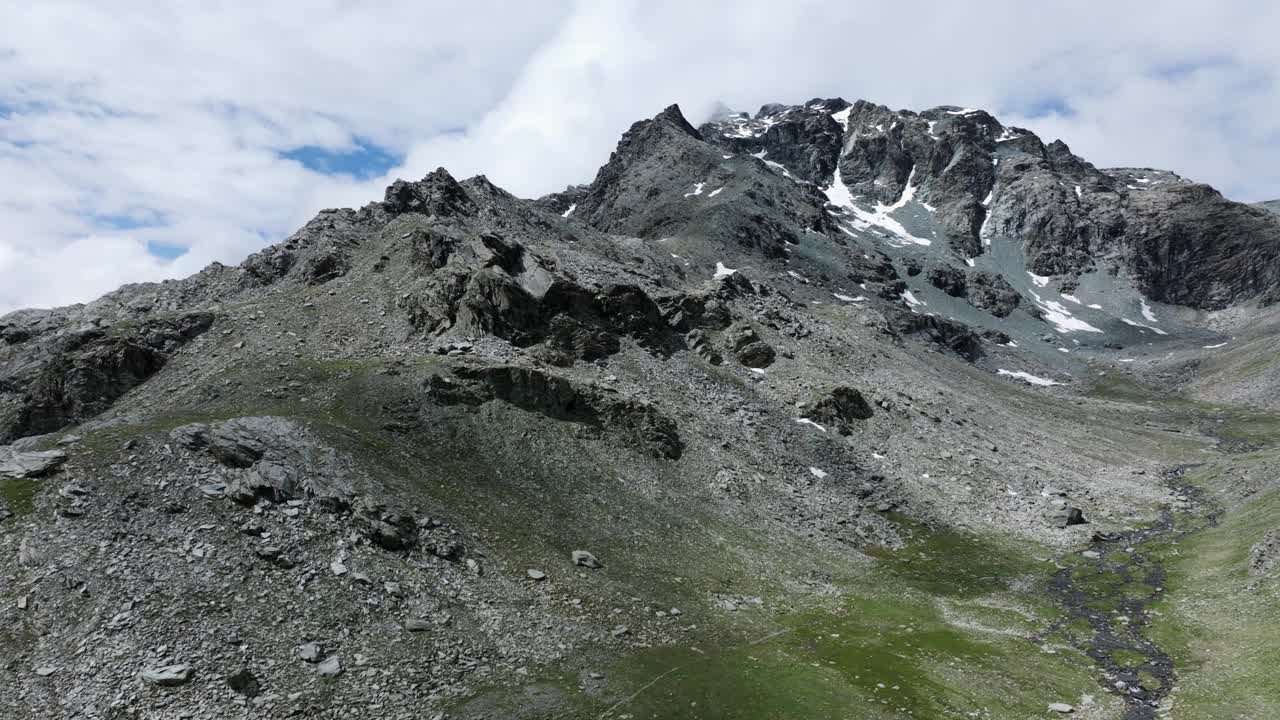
x=825, y=411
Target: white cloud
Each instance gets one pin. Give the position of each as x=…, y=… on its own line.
x=177, y=112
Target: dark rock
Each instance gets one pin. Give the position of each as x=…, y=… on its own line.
x=948, y=279
x=437, y=194
x=244, y=683
x=698, y=342
x=838, y=408
x=748, y=347
x=72, y=376
x=1066, y=516
x=388, y=528
x=558, y=398
x=990, y=292
x=950, y=334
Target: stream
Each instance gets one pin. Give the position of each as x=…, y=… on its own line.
x=1111, y=585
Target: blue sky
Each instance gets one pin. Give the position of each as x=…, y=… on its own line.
x=142, y=141
x=362, y=161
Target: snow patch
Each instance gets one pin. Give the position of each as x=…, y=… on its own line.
x=797, y=276
x=1032, y=379
x=846, y=298
x=1214, y=347
x=807, y=421
x=716, y=192
x=1147, y=313
x=1094, y=306
x=1071, y=298
x=722, y=271
x=970, y=262
x=785, y=172
x=572, y=207
x=1039, y=280
x=818, y=473
x=697, y=190
x=1156, y=330
x=911, y=299
x=1056, y=314
x=842, y=117
x=962, y=111
x=1078, y=193
x=986, y=202
x=838, y=194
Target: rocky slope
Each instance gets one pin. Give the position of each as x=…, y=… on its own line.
x=626, y=448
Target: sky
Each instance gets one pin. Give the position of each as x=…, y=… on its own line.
x=143, y=140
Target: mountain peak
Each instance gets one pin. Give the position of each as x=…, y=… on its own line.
x=674, y=117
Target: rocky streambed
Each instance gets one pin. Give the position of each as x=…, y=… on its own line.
x=1108, y=590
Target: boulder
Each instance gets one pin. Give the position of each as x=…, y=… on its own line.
x=309, y=652
x=331, y=667
x=167, y=676
x=1066, y=516
x=948, y=279
x=747, y=346
x=30, y=554
x=244, y=683
x=840, y=407
x=16, y=464
x=582, y=558
x=991, y=292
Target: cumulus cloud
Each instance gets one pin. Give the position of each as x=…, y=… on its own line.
x=125, y=127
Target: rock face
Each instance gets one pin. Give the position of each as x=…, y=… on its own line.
x=645, y=190
x=1183, y=243
x=560, y=399
x=949, y=334
x=277, y=458
x=57, y=377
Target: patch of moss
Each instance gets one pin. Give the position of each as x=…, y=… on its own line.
x=887, y=654
x=946, y=563
x=1128, y=658
x=19, y=494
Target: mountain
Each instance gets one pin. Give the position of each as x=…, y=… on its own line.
x=826, y=409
